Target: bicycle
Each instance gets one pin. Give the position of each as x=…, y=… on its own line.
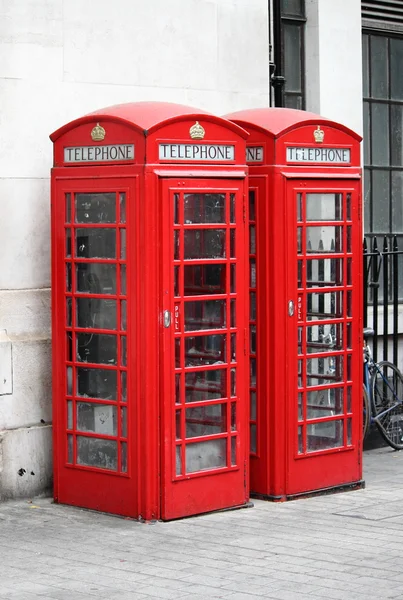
x=382, y=397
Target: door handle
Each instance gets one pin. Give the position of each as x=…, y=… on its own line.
x=290, y=308
x=167, y=318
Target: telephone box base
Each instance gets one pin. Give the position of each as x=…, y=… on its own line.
x=345, y=487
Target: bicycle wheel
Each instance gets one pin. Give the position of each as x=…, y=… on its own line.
x=387, y=402
x=366, y=416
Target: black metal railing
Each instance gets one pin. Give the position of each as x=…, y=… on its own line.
x=383, y=293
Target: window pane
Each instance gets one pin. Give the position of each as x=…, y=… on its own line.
x=379, y=67
x=292, y=7
x=367, y=155
x=367, y=200
x=202, y=456
x=396, y=61
x=380, y=134
x=396, y=124
x=96, y=452
x=204, y=208
x=380, y=202
x=96, y=278
x=95, y=208
x=96, y=348
x=97, y=418
x=397, y=202
x=365, y=67
x=292, y=101
x=96, y=243
x=292, y=57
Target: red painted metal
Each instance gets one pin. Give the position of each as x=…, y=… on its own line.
x=309, y=406
x=113, y=278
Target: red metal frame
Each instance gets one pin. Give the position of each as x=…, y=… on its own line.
x=148, y=486
x=278, y=470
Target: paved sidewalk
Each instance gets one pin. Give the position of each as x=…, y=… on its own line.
x=341, y=546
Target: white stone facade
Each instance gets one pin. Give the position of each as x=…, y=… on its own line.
x=60, y=59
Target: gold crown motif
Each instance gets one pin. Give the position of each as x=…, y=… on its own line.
x=197, y=131
x=98, y=133
x=319, y=135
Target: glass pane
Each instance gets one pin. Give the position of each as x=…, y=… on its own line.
x=70, y=448
x=68, y=208
x=292, y=57
x=96, y=278
x=348, y=207
x=123, y=244
x=178, y=460
x=68, y=312
x=123, y=351
x=176, y=209
x=367, y=134
x=253, y=371
x=95, y=208
x=95, y=452
x=233, y=451
x=123, y=316
x=204, y=243
x=176, y=244
x=349, y=432
x=68, y=277
x=380, y=202
x=232, y=243
x=233, y=347
x=205, y=314
x=293, y=100
x=123, y=423
x=68, y=243
x=178, y=427
x=205, y=279
x=206, y=420
x=176, y=281
x=232, y=208
x=123, y=280
x=252, y=198
x=233, y=279
x=299, y=240
x=69, y=381
x=253, y=339
x=396, y=125
x=380, y=134
x=324, y=239
x=324, y=305
x=97, y=418
x=300, y=440
x=253, y=438
x=253, y=406
x=379, y=67
x=96, y=348
x=323, y=338
x=292, y=8
x=322, y=436
x=96, y=313
x=396, y=61
x=252, y=239
x=324, y=272
x=123, y=456
x=69, y=414
x=252, y=264
x=178, y=352
x=233, y=382
x=205, y=350
x=204, y=208
x=178, y=386
x=122, y=201
x=365, y=66
x=322, y=371
x=367, y=200
x=123, y=386
x=300, y=407
x=253, y=306
x=349, y=400
x=324, y=207
x=233, y=416
x=299, y=207
x=96, y=243
x=97, y=383
x=326, y=402
x=397, y=202
x=202, y=456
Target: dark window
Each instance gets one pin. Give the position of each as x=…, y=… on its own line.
x=288, y=77
x=383, y=123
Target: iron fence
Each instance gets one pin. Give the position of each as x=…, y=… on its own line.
x=383, y=294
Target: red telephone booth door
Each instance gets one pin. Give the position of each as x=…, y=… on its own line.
x=95, y=462
x=324, y=309
x=204, y=390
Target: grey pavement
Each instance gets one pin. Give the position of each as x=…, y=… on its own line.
x=341, y=546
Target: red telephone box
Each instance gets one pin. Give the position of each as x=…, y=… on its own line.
x=305, y=310
x=150, y=312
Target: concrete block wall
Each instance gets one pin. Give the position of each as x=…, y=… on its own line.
x=60, y=59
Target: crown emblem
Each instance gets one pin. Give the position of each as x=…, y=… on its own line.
x=98, y=133
x=319, y=135
x=197, y=131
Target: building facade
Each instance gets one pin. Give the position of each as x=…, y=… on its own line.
x=60, y=59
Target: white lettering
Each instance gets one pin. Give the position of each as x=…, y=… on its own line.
x=318, y=155
x=207, y=152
